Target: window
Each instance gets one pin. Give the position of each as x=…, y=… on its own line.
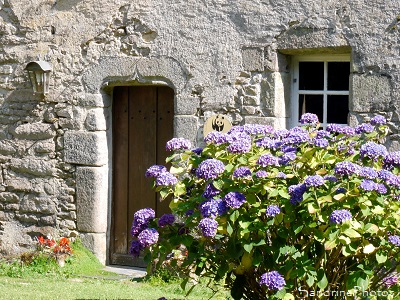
x=321, y=87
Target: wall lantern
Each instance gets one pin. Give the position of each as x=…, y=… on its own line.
x=39, y=75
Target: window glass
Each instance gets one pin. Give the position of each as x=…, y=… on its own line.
x=311, y=104
x=338, y=107
x=338, y=76
x=311, y=75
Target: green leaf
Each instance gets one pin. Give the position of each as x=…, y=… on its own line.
x=176, y=170
x=229, y=228
x=324, y=199
x=381, y=257
x=310, y=280
x=218, y=184
x=248, y=247
x=180, y=189
x=288, y=296
x=323, y=283
x=351, y=233
x=329, y=245
x=363, y=283
x=368, y=249
x=234, y=216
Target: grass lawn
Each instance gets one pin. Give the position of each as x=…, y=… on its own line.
x=83, y=278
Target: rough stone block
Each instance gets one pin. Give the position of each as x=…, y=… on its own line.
x=275, y=94
x=187, y=105
x=6, y=148
x=92, y=198
x=34, y=131
x=96, y=119
x=186, y=127
x=6, y=69
x=19, y=184
x=97, y=243
x=85, y=148
x=9, y=197
x=36, y=204
x=370, y=93
x=95, y=100
x=33, y=166
x=253, y=59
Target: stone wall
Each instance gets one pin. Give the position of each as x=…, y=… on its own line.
x=219, y=56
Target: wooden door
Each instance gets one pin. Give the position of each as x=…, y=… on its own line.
x=142, y=124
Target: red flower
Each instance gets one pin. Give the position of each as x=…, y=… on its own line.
x=41, y=240
x=64, y=241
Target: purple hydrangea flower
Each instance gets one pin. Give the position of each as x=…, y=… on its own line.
x=215, y=137
x=339, y=216
x=209, y=209
x=208, y=227
x=333, y=128
x=346, y=168
x=389, y=177
x=255, y=129
x=368, y=185
x=315, y=180
x=309, y=118
x=281, y=175
x=272, y=280
x=296, y=193
x=166, y=219
x=141, y=220
x=381, y=188
x=373, y=150
x=155, y=170
x=331, y=178
x=322, y=143
x=340, y=190
x=297, y=137
x=322, y=134
x=210, y=191
x=222, y=208
x=390, y=280
x=364, y=128
x=237, y=136
x=378, y=120
x=272, y=211
x=392, y=159
x=210, y=169
x=261, y=174
x=166, y=179
x=281, y=133
x=178, y=144
x=148, y=237
x=368, y=172
x=347, y=130
x=135, y=248
x=189, y=212
x=286, y=158
x=240, y=146
x=268, y=143
x=236, y=129
x=242, y=172
x=395, y=240
x=267, y=160
x=234, y=199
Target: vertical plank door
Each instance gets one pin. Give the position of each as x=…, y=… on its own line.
x=142, y=124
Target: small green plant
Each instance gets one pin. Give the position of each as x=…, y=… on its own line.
x=281, y=214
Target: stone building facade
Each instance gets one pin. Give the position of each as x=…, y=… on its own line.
x=219, y=56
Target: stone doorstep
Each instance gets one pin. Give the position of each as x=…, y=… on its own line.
x=125, y=271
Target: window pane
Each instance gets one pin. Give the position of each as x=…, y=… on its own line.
x=311, y=104
x=338, y=109
x=311, y=75
x=338, y=76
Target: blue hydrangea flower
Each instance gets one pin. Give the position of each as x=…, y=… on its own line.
x=141, y=220
x=148, y=237
x=322, y=134
x=340, y=190
x=267, y=160
x=333, y=128
x=368, y=185
x=197, y=151
x=390, y=280
x=210, y=169
x=272, y=280
x=315, y=180
x=155, y=170
x=166, y=179
x=395, y=240
x=215, y=137
x=166, y=219
x=210, y=191
x=242, y=172
x=178, y=144
x=373, y=150
x=261, y=174
x=135, y=248
x=286, y=158
x=378, y=120
x=222, y=208
x=368, y=172
x=364, y=128
x=208, y=227
x=272, y=211
x=240, y=146
x=209, y=209
x=346, y=168
x=339, y=216
x=296, y=193
x=392, y=160
x=234, y=199
x=331, y=178
x=309, y=118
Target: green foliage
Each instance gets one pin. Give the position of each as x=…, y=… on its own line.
x=313, y=251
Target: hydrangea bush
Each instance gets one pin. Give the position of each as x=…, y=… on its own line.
x=281, y=214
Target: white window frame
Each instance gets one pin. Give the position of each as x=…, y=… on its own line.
x=325, y=92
